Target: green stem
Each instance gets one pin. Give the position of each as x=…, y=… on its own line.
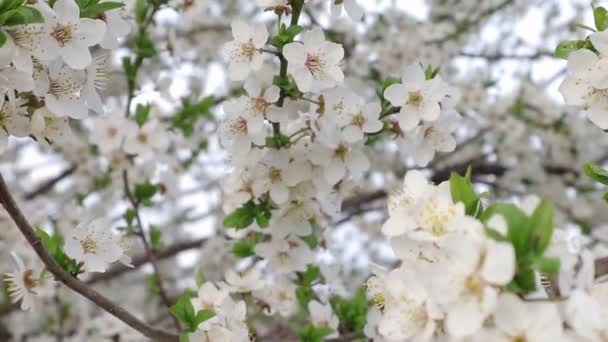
x=296, y=10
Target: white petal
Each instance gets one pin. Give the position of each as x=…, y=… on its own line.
x=77, y=57
x=90, y=31
x=67, y=11
x=499, y=265
x=395, y=94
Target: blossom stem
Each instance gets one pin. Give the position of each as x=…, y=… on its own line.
x=8, y=202
x=296, y=10
x=276, y=53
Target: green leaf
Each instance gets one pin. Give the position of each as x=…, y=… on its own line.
x=285, y=35
x=243, y=249
x=155, y=237
x=8, y=5
x=462, y=191
x=517, y=220
x=189, y=114
x=142, y=114
x=183, y=337
x=3, y=38
x=145, y=191
x=541, y=227
x=311, y=240
x=183, y=309
x=203, y=315
x=600, y=16
x=95, y=10
x=523, y=282
x=304, y=294
x=141, y=11
x=48, y=242
x=353, y=312
x=129, y=216
x=564, y=48
x=431, y=72
x=242, y=217
x=144, y=47
x=596, y=173
x=547, y=265
x=21, y=16
x=315, y=334
x=311, y=274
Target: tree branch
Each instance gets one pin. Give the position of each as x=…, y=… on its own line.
x=48, y=185
x=143, y=259
x=66, y=278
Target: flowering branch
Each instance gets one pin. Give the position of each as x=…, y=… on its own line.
x=66, y=278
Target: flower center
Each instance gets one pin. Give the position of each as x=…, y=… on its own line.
x=248, y=49
x=341, y=152
x=28, y=280
x=431, y=133
x=239, y=125
x=379, y=301
x=414, y=98
x=274, y=175
x=260, y=105
x=62, y=34
x=359, y=120
x=142, y=137
x=474, y=284
x=313, y=64
x=89, y=245
x=112, y=131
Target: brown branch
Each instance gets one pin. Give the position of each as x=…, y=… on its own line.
x=48, y=185
x=501, y=56
x=67, y=279
x=143, y=259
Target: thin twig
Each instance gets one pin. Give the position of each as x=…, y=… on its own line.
x=7, y=201
x=48, y=185
x=162, y=293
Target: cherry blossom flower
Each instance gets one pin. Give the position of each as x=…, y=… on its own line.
x=109, y=132
x=94, y=244
x=68, y=35
x=418, y=97
x=61, y=90
x=243, y=52
x=23, y=284
x=314, y=61
x=146, y=140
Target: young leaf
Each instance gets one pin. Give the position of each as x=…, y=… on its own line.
x=541, y=226
x=596, y=173
x=564, y=48
x=145, y=191
x=462, y=191
x=517, y=220
x=547, y=265
x=600, y=16
x=242, y=217
x=21, y=16
x=243, y=249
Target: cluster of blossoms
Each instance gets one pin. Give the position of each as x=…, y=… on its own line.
x=297, y=143
x=53, y=70
x=585, y=86
x=456, y=280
